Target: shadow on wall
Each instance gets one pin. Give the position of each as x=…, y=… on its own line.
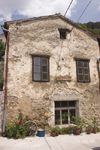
x=96, y=148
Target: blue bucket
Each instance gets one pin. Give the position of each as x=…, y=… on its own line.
x=41, y=132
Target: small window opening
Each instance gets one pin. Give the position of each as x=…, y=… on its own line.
x=62, y=34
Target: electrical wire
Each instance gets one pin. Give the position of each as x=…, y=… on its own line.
x=68, y=8
x=84, y=11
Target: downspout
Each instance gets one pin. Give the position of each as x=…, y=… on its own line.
x=5, y=79
x=98, y=66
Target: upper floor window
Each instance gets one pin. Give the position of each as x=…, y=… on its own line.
x=83, y=74
x=40, y=68
x=62, y=34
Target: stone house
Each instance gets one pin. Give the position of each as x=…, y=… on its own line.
x=51, y=69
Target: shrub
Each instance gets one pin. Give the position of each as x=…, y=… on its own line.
x=89, y=127
x=98, y=129
x=55, y=129
x=94, y=121
x=66, y=130
x=79, y=122
x=18, y=128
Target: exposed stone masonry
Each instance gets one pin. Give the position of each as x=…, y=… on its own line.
x=1, y=108
x=37, y=99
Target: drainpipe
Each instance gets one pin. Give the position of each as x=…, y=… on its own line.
x=5, y=78
x=98, y=66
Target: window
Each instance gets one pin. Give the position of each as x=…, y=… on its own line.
x=62, y=34
x=1, y=40
x=40, y=68
x=64, y=110
x=82, y=67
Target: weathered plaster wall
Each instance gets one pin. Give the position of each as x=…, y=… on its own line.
x=36, y=99
x=1, y=108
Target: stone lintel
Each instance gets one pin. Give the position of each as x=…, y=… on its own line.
x=64, y=78
x=68, y=97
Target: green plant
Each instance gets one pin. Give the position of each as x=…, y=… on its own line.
x=55, y=129
x=66, y=130
x=79, y=122
x=98, y=129
x=2, y=49
x=18, y=128
x=94, y=121
x=89, y=127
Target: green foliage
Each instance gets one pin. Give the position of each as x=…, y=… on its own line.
x=64, y=116
x=94, y=27
x=89, y=127
x=17, y=129
x=55, y=129
x=79, y=122
x=94, y=121
x=2, y=49
x=83, y=25
x=66, y=130
x=98, y=129
x=1, y=81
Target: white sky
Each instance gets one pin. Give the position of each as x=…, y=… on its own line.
x=32, y=8
x=21, y=9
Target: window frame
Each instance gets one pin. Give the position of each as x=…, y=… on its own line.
x=68, y=108
x=83, y=60
x=41, y=80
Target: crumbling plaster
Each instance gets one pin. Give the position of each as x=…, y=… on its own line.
x=36, y=99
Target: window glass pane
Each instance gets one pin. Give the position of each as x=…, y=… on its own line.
x=85, y=64
x=44, y=76
x=85, y=71
x=64, y=104
x=71, y=103
x=64, y=116
x=72, y=113
x=36, y=68
x=79, y=70
x=37, y=61
x=86, y=78
x=79, y=64
x=44, y=61
x=36, y=76
x=62, y=35
x=81, y=77
x=57, y=117
x=57, y=104
x=44, y=68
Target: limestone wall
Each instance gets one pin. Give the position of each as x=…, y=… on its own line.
x=36, y=99
x=1, y=108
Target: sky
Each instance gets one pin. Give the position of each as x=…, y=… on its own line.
x=23, y=9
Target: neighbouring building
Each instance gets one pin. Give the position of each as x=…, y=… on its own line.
x=51, y=69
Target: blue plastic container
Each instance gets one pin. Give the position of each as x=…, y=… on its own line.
x=41, y=132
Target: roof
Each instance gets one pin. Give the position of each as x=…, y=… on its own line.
x=55, y=16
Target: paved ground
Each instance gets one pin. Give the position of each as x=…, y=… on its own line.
x=62, y=142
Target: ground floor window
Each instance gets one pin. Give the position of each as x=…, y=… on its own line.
x=64, y=110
